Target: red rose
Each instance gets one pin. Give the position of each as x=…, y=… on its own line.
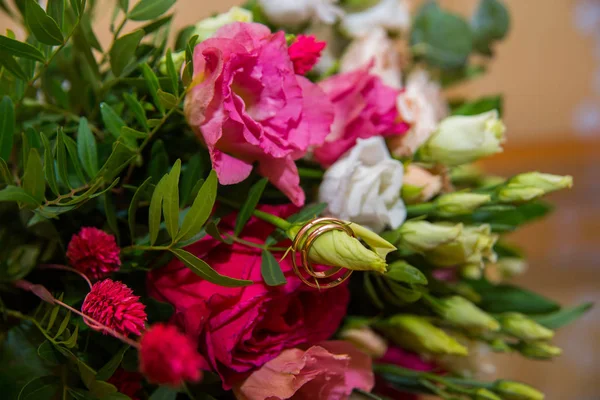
x=240, y=329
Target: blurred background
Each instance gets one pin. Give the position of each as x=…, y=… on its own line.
x=549, y=72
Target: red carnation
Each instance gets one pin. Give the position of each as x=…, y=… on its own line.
x=127, y=382
x=168, y=357
x=114, y=305
x=305, y=52
x=94, y=253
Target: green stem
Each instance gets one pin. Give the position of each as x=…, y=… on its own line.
x=270, y=218
x=310, y=173
x=416, y=210
x=448, y=381
x=255, y=245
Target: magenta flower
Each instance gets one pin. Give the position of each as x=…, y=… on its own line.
x=94, y=253
x=168, y=357
x=114, y=305
x=305, y=52
x=247, y=105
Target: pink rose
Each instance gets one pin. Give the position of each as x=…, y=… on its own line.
x=364, y=107
x=329, y=371
x=240, y=329
x=248, y=105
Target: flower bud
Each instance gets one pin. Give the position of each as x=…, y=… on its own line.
x=485, y=394
x=418, y=334
x=460, y=203
x=511, y=266
x=520, y=326
x=546, y=182
x=366, y=340
x=511, y=390
x=463, y=139
x=471, y=271
x=539, y=350
x=462, y=313
x=474, y=245
x=419, y=185
x=499, y=346
x=208, y=26
x=515, y=193
x=338, y=249
x=422, y=236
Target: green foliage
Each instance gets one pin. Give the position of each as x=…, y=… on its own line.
x=270, y=270
x=508, y=298
x=490, y=23
x=44, y=28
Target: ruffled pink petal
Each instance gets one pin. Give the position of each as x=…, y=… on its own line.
x=230, y=170
x=283, y=173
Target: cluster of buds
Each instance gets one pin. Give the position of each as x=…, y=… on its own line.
x=531, y=185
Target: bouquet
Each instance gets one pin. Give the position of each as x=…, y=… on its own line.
x=278, y=204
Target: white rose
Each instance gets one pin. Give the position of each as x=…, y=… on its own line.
x=391, y=15
x=374, y=47
x=423, y=106
x=364, y=186
x=293, y=13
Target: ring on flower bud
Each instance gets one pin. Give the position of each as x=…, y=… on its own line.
x=302, y=243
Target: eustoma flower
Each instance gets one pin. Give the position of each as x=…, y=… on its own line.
x=247, y=105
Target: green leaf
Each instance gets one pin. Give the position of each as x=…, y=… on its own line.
x=249, y=205
x=164, y=393
x=187, y=75
x=53, y=315
x=171, y=200
x=20, y=49
x=48, y=353
x=508, y=298
x=88, y=32
x=61, y=157
x=7, y=127
x=150, y=9
x=490, y=23
x=443, y=39
x=111, y=119
x=133, y=206
x=401, y=271
x=56, y=10
x=124, y=5
x=49, y=171
x=171, y=71
x=111, y=366
x=72, y=340
x=72, y=150
x=111, y=214
x=167, y=99
x=371, y=292
x=33, y=179
x=159, y=161
x=157, y=24
x=5, y=174
x=201, y=208
x=86, y=148
x=137, y=109
x=270, y=270
x=307, y=213
x=123, y=51
x=43, y=27
x=203, y=270
x=43, y=387
x=153, y=86
x=16, y=194
x=11, y=65
x=77, y=6
x=562, y=317
x=480, y=106
x=120, y=157
x=154, y=212
x=131, y=135
x=63, y=325
x=212, y=230
x=190, y=176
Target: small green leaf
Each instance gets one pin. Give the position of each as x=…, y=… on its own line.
x=190, y=176
x=480, y=106
x=167, y=99
x=111, y=119
x=146, y=10
x=33, y=179
x=49, y=170
x=123, y=50
x=249, y=205
x=63, y=325
x=371, y=292
x=171, y=200
x=155, y=25
x=131, y=135
x=72, y=150
x=188, y=73
x=271, y=270
x=43, y=387
x=203, y=270
x=53, y=315
x=88, y=32
x=61, y=157
x=120, y=157
x=137, y=109
x=86, y=148
x=20, y=49
x=154, y=212
x=562, y=317
x=171, y=71
x=43, y=27
x=401, y=271
x=153, y=86
x=124, y=5
x=159, y=161
x=48, y=353
x=201, y=208
x=111, y=366
x=5, y=175
x=490, y=23
x=212, y=230
x=508, y=298
x=56, y=10
x=7, y=127
x=133, y=206
x=164, y=393
x=72, y=340
x=11, y=65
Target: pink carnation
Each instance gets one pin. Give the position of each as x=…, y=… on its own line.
x=247, y=105
x=114, y=305
x=94, y=253
x=168, y=357
x=305, y=52
x=364, y=107
x=329, y=371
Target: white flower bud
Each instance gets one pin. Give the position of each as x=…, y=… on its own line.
x=293, y=13
x=391, y=15
x=460, y=203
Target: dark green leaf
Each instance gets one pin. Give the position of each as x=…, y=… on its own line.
x=72, y=150
x=111, y=214
x=190, y=176
x=212, y=230
x=123, y=51
x=159, y=161
x=249, y=205
x=150, y=9
x=72, y=340
x=120, y=157
x=153, y=86
x=63, y=325
x=490, y=23
x=137, y=109
x=49, y=170
x=48, y=353
x=88, y=31
x=86, y=148
x=11, y=65
x=401, y=271
x=171, y=200
x=562, y=317
x=307, y=213
x=167, y=99
x=201, y=208
x=131, y=135
x=187, y=75
x=140, y=193
x=20, y=49
x=44, y=387
x=43, y=27
x=111, y=119
x=370, y=289
x=61, y=158
x=5, y=175
x=56, y=10
x=111, y=366
x=77, y=6
x=511, y=219
x=203, y=270
x=270, y=270
x=124, y=5
x=508, y=298
x=443, y=39
x=7, y=127
x=154, y=213
x=164, y=393
x=480, y=106
x=157, y=24
x=171, y=71
x=33, y=179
